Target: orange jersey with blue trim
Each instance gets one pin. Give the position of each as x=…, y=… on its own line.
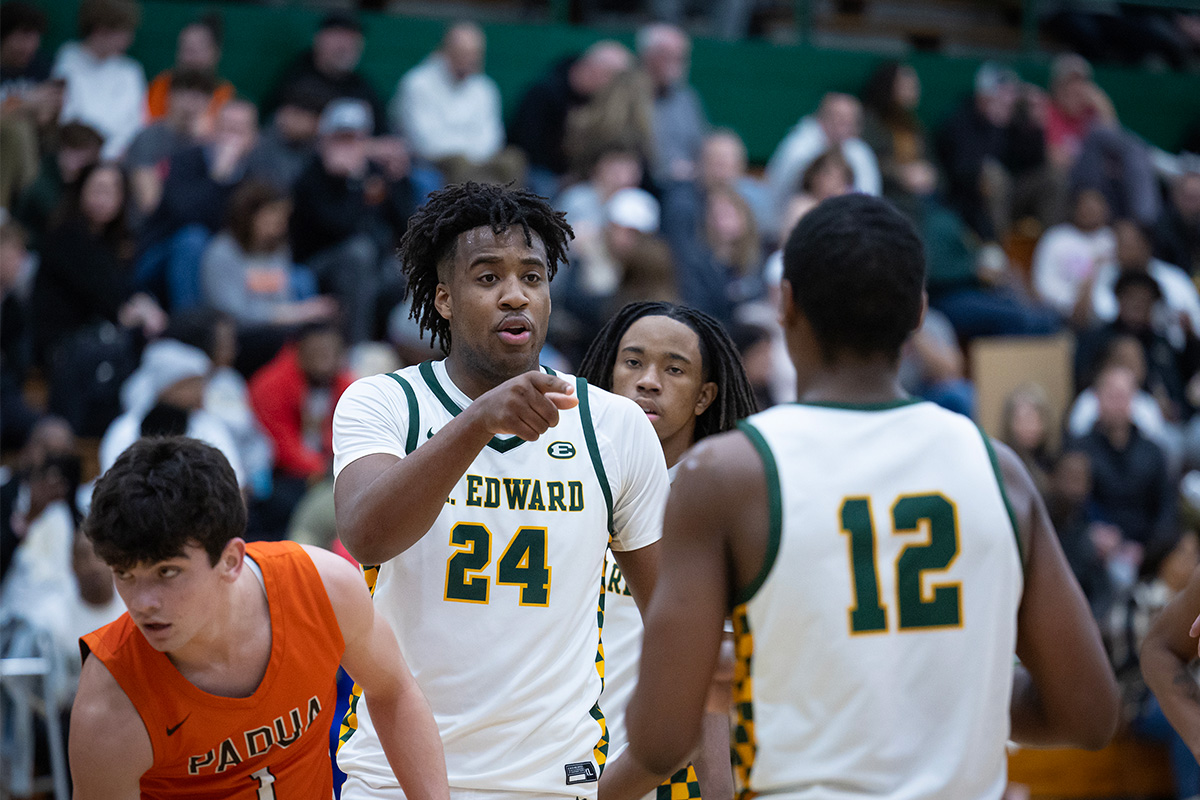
x=274, y=742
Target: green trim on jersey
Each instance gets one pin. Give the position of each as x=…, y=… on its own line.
x=774, y=507
x=414, y=413
x=887, y=405
x=589, y=435
x=1012, y=516
x=497, y=444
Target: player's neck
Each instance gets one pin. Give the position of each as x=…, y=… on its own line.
x=871, y=380
x=472, y=380
x=228, y=657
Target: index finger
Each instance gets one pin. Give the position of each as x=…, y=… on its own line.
x=545, y=382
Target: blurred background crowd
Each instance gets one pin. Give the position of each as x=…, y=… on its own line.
x=180, y=255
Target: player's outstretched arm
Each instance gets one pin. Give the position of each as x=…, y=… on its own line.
x=399, y=710
x=108, y=745
x=1165, y=655
x=1064, y=691
x=719, y=491
x=385, y=504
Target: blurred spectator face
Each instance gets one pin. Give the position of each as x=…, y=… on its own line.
x=102, y=196
x=598, y=66
x=237, y=125
x=840, y=116
x=722, y=159
x=998, y=105
x=667, y=57
x=616, y=171
x=186, y=394
x=94, y=576
x=1133, y=247
x=1114, y=390
x=1186, y=196
x=1090, y=212
x=12, y=260
x=725, y=223
x=296, y=124
x=270, y=226
x=1028, y=426
x=463, y=49
x=320, y=356
x=1135, y=307
x=185, y=106
x=1072, y=477
x=108, y=42
x=906, y=91
x=833, y=180
x=51, y=436
x=344, y=153
x=1128, y=354
x=1072, y=95
x=622, y=242
x=197, y=49
x=336, y=51
x=19, y=48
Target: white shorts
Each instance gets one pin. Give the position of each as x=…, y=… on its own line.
x=357, y=789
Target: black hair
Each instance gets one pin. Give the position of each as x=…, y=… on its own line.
x=21, y=16
x=214, y=23
x=1130, y=278
x=197, y=327
x=161, y=495
x=433, y=232
x=719, y=359
x=857, y=270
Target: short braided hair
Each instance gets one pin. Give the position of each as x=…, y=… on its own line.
x=720, y=362
x=434, y=230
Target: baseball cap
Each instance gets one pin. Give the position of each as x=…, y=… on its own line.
x=633, y=208
x=346, y=115
x=992, y=76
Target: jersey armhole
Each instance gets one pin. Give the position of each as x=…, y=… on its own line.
x=1012, y=516
x=589, y=435
x=414, y=422
x=774, y=510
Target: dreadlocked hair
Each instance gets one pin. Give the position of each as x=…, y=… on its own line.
x=433, y=231
x=719, y=361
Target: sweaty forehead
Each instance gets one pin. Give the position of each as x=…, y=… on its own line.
x=655, y=334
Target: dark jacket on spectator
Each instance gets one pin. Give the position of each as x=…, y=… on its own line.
x=1130, y=486
x=540, y=124
x=80, y=281
x=965, y=141
x=352, y=84
x=190, y=196
x=328, y=209
x=1177, y=242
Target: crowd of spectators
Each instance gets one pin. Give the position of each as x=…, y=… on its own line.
x=175, y=258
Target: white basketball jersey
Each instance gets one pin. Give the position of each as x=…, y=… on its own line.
x=495, y=607
x=875, y=648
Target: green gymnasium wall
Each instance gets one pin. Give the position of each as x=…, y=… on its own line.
x=756, y=88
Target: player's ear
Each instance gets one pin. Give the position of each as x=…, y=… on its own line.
x=232, y=559
x=708, y=393
x=787, y=304
x=441, y=300
x=924, y=309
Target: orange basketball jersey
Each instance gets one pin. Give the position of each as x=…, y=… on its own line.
x=272, y=743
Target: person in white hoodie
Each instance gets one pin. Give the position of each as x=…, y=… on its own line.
x=165, y=397
x=105, y=88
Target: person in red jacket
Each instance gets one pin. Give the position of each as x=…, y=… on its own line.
x=293, y=396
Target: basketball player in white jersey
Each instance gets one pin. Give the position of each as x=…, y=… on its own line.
x=481, y=492
x=680, y=366
x=882, y=562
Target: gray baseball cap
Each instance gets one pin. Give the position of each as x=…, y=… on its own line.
x=346, y=115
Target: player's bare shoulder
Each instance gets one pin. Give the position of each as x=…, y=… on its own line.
x=109, y=747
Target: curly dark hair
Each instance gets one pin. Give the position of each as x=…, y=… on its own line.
x=857, y=270
x=719, y=362
x=433, y=232
x=161, y=495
